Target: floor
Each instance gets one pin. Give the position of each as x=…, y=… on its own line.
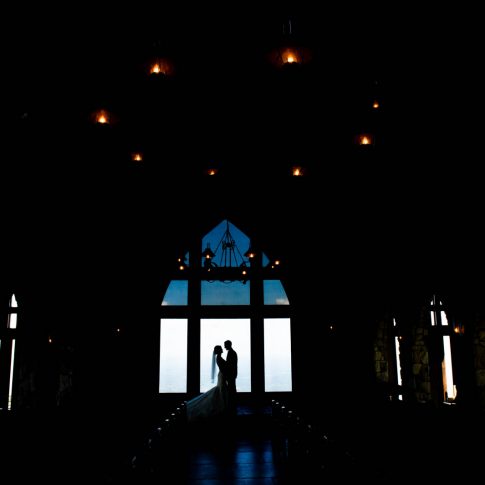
x=252, y=449
x=379, y=444
x=220, y=452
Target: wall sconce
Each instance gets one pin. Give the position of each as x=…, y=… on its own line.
x=459, y=328
x=137, y=157
x=160, y=67
x=297, y=171
x=289, y=52
x=103, y=117
x=289, y=56
x=365, y=139
x=158, y=64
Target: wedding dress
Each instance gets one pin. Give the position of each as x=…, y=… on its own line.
x=210, y=404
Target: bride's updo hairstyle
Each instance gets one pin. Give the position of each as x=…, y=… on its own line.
x=217, y=350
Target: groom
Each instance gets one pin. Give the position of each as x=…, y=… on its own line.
x=230, y=376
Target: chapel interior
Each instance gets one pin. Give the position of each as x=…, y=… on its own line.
x=335, y=152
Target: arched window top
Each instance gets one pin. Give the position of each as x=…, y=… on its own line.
x=437, y=313
x=228, y=248
x=177, y=293
x=274, y=293
x=436, y=302
x=225, y=246
x=12, y=314
x=265, y=261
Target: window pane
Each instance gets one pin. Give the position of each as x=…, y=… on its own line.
x=220, y=293
x=215, y=331
x=444, y=320
x=277, y=355
x=173, y=355
x=449, y=386
x=12, y=320
x=13, y=301
x=265, y=261
x=274, y=293
x=228, y=247
x=10, y=385
x=176, y=293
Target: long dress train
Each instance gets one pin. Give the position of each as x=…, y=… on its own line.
x=210, y=404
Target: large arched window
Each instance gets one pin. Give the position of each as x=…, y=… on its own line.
x=225, y=288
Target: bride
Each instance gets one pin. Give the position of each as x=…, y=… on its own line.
x=213, y=402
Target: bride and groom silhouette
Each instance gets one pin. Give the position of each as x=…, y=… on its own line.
x=220, y=400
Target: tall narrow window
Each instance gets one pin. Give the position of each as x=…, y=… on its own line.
x=215, y=331
x=10, y=381
x=173, y=355
x=439, y=319
x=277, y=355
x=7, y=354
x=398, y=357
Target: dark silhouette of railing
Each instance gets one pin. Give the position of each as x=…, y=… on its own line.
x=163, y=447
x=308, y=451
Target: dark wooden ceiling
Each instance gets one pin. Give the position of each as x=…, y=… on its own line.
x=408, y=208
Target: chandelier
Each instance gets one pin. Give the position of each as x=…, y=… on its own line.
x=226, y=263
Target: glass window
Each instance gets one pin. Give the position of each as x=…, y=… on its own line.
x=228, y=244
x=10, y=383
x=274, y=293
x=215, y=331
x=277, y=355
x=448, y=384
x=176, y=293
x=265, y=262
x=173, y=355
x=12, y=320
x=222, y=293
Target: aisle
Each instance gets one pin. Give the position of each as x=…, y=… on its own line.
x=233, y=452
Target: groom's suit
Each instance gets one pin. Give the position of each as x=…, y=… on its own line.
x=231, y=375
